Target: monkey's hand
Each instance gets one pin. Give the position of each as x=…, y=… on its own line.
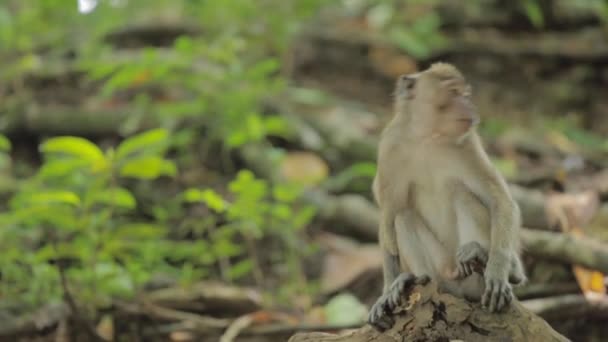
x=498, y=293
x=471, y=257
x=380, y=316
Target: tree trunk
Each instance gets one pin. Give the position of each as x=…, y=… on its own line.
x=432, y=316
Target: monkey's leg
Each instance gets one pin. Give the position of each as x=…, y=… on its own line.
x=380, y=315
x=390, y=269
x=420, y=249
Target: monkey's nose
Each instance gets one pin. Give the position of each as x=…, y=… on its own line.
x=409, y=77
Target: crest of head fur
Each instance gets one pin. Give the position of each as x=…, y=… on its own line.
x=445, y=71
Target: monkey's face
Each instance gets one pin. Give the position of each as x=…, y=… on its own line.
x=439, y=104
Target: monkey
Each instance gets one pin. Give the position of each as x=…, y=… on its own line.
x=445, y=211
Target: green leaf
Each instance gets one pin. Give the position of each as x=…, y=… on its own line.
x=534, y=13
x=240, y=269
x=211, y=198
x=54, y=197
x=263, y=68
x=275, y=125
x=150, y=167
x=308, y=96
x=140, y=231
x=247, y=185
x=255, y=127
x=303, y=217
x=507, y=167
x=75, y=147
x=5, y=144
x=117, y=196
x=142, y=142
x=113, y=279
x=286, y=193
x=281, y=211
x=345, y=309
x=60, y=168
x=225, y=248
x=28, y=214
x=237, y=138
x=410, y=42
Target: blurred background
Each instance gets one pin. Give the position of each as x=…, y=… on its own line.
x=190, y=170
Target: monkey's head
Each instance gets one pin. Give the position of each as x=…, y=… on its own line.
x=438, y=102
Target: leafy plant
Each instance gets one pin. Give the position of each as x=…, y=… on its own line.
x=76, y=217
x=258, y=209
x=72, y=220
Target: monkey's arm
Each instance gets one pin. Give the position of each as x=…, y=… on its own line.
x=473, y=257
x=386, y=229
x=485, y=181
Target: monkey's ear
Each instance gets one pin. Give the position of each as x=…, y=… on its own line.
x=407, y=82
x=448, y=83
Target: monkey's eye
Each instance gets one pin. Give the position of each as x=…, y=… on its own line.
x=410, y=85
x=408, y=80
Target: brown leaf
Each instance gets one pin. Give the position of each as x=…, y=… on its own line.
x=570, y=210
x=390, y=62
x=105, y=328
x=590, y=281
x=346, y=260
x=304, y=167
x=181, y=336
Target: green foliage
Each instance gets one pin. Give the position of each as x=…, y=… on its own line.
x=420, y=37
x=534, y=12
x=571, y=128
x=413, y=26
x=257, y=209
x=74, y=210
x=348, y=178
x=5, y=144
x=345, y=309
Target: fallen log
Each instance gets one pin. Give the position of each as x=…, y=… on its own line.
x=428, y=315
x=566, y=248
x=540, y=290
x=569, y=306
x=47, y=317
x=359, y=216
x=208, y=297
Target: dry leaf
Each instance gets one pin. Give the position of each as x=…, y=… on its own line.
x=569, y=210
x=304, y=167
x=236, y=327
x=346, y=260
x=390, y=62
x=413, y=299
x=181, y=336
x=572, y=211
x=561, y=142
x=589, y=281
x=105, y=328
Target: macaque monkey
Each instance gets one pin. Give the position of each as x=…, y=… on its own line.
x=446, y=212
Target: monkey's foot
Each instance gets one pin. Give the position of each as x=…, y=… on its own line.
x=471, y=257
x=380, y=316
